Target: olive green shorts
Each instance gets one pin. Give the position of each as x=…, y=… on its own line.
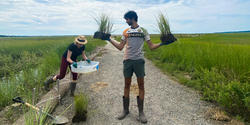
x=134, y=66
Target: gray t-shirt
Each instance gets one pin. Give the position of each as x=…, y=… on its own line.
x=134, y=39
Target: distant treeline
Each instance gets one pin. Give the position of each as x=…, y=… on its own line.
x=11, y=36
x=235, y=32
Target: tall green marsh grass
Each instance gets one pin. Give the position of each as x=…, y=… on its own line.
x=217, y=65
x=27, y=61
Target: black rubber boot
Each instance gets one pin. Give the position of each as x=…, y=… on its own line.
x=47, y=83
x=72, y=88
x=142, y=118
x=125, y=111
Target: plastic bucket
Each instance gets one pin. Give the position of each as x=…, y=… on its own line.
x=85, y=67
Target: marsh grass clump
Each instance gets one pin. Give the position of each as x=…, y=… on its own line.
x=81, y=105
x=164, y=29
x=36, y=118
x=105, y=27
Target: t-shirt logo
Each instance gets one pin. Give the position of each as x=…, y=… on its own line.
x=139, y=30
x=135, y=34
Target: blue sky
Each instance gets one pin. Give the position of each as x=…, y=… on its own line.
x=73, y=17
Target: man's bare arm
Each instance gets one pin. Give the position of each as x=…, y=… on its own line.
x=153, y=46
x=118, y=45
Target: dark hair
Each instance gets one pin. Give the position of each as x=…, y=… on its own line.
x=131, y=15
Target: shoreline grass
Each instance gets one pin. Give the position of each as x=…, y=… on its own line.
x=33, y=117
x=28, y=61
x=217, y=66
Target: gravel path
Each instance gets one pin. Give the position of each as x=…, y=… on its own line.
x=166, y=101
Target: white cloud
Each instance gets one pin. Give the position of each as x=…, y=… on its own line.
x=76, y=16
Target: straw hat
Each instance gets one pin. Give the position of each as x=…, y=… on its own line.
x=81, y=40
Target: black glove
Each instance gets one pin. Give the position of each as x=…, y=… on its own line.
x=88, y=61
x=98, y=35
x=106, y=36
x=165, y=40
x=74, y=64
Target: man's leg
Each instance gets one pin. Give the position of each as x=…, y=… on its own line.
x=140, y=82
x=139, y=67
x=140, y=100
x=127, y=87
x=125, y=111
x=127, y=72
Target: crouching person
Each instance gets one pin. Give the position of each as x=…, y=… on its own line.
x=69, y=57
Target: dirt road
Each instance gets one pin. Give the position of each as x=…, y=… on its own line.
x=166, y=101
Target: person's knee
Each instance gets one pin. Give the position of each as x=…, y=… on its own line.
x=61, y=76
x=140, y=83
x=127, y=83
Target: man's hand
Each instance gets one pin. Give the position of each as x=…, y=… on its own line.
x=106, y=37
x=165, y=40
x=74, y=64
x=166, y=43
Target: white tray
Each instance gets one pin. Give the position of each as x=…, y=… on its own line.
x=85, y=67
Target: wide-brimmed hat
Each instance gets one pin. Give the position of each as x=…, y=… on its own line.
x=81, y=40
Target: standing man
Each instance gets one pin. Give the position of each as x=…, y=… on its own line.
x=133, y=39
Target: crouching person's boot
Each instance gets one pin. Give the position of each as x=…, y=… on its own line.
x=48, y=82
x=72, y=88
x=125, y=111
x=142, y=118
